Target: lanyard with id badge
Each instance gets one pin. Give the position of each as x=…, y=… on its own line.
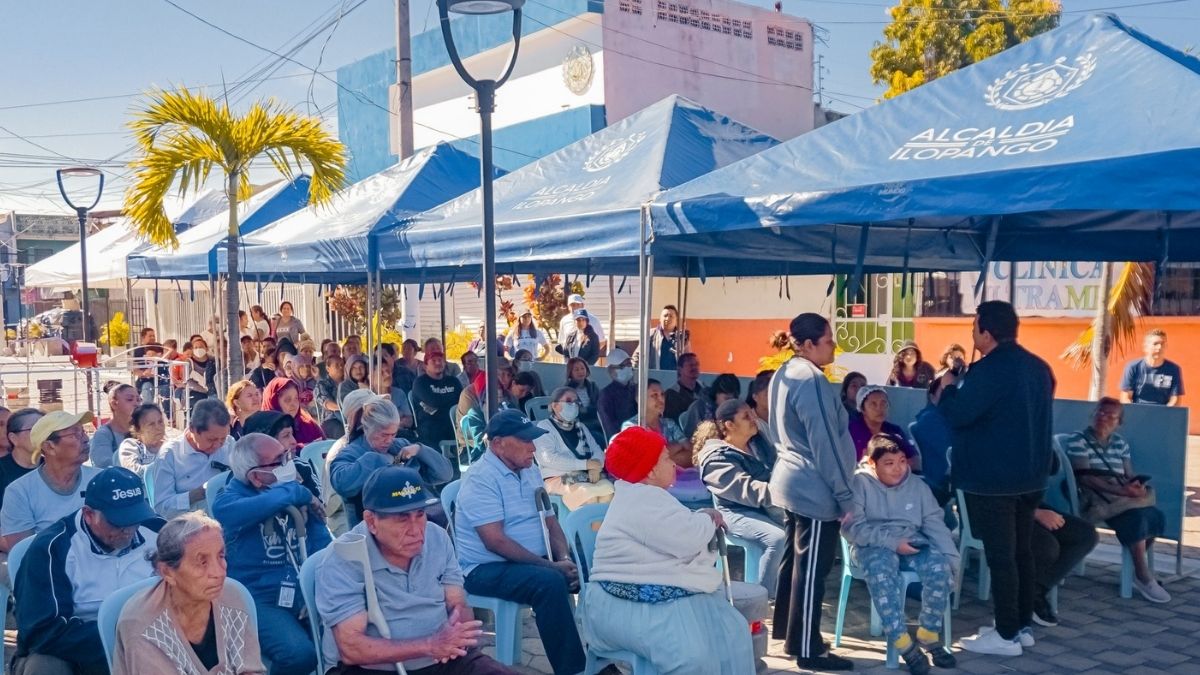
x=279, y=523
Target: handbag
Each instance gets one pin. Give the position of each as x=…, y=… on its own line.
x=1097, y=506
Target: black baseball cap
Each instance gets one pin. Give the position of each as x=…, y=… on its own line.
x=511, y=422
x=396, y=489
x=118, y=493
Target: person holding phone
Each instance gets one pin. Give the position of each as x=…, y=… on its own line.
x=898, y=525
x=1112, y=492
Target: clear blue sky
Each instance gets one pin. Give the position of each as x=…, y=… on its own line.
x=72, y=49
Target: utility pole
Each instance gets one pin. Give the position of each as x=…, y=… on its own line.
x=820, y=80
x=403, y=130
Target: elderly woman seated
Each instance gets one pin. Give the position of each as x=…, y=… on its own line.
x=654, y=589
x=375, y=442
x=191, y=621
x=569, y=456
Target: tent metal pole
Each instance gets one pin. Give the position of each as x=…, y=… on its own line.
x=645, y=275
x=442, y=310
x=370, y=318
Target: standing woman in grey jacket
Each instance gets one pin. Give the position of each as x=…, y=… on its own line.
x=811, y=482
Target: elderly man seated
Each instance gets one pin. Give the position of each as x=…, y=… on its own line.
x=187, y=462
x=262, y=546
x=500, y=542
x=72, y=566
x=418, y=584
x=40, y=498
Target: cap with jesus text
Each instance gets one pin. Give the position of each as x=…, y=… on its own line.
x=118, y=493
x=509, y=422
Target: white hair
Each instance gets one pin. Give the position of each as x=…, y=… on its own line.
x=243, y=458
x=379, y=413
x=173, y=538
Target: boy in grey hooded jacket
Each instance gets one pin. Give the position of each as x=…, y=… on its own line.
x=898, y=526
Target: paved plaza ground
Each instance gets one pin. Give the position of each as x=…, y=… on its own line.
x=1099, y=633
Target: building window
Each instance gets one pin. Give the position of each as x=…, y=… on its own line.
x=684, y=15
x=1178, y=290
x=941, y=294
x=785, y=37
x=630, y=6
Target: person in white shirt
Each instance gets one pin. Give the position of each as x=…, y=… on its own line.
x=654, y=588
x=567, y=323
x=527, y=336
x=569, y=456
x=53, y=490
x=187, y=462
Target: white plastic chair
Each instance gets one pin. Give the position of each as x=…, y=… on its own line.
x=966, y=544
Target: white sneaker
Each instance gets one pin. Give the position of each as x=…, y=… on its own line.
x=1152, y=591
x=988, y=641
x=1025, y=636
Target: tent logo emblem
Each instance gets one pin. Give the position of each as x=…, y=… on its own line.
x=1036, y=84
x=613, y=152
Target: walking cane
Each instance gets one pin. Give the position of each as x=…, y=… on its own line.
x=353, y=547
x=301, y=521
x=723, y=549
x=541, y=501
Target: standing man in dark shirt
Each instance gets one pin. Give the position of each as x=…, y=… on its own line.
x=687, y=388
x=1001, y=455
x=1152, y=378
x=435, y=394
x=668, y=340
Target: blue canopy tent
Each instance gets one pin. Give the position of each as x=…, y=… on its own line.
x=1060, y=148
x=196, y=257
x=328, y=243
x=579, y=206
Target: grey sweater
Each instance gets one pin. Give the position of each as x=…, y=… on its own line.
x=815, y=462
x=736, y=479
x=884, y=515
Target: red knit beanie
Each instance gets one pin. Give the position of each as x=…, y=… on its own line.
x=632, y=454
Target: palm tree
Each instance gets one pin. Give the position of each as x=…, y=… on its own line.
x=1122, y=301
x=183, y=136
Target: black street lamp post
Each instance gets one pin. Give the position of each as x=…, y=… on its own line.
x=485, y=104
x=82, y=212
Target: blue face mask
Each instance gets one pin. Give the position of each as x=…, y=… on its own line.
x=623, y=375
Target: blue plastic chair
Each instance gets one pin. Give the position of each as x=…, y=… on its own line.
x=314, y=453
x=308, y=591
x=538, y=408
x=967, y=543
x=753, y=550
x=148, y=482
x=849, y=574
x=214, y=487
x=506, y=612
x=110, y=611
x=580, y=530
x=15, y=556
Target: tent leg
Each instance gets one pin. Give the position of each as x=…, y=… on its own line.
x=370, y=316
x=646, y=275
x=442, y=310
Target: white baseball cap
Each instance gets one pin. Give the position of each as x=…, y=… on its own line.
x=575, y=299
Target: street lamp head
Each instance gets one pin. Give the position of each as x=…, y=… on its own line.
x=81, y=195
x=479, y=7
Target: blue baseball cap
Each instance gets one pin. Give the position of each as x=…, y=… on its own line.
x=581, y=313
x=396, y=489
x=118, y=493
x=511, y=422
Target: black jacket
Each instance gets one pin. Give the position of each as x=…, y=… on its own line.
x=1001, y=416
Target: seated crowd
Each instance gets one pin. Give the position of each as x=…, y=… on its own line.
x=225, y=514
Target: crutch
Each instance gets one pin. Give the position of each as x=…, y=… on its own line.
x=541, y=501
x=353, y=547
x=723, y=551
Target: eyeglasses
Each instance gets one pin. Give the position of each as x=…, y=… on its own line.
x=283, y=459
x=67, y=433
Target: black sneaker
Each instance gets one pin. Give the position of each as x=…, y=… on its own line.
x=1043, y=615
x=915, y=659
x=829, y=661
x=942, y=658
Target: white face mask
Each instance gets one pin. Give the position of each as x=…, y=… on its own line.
x=200, y=352
x=623, y=375
x=568, y=412
x=284, y=473
x=524, y=366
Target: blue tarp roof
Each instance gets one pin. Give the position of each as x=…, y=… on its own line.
x=196, y=257
x=328, y=243
x=578, y=207
x=1067, y=143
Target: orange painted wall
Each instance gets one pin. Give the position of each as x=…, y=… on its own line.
x=735, y=345
x=1048, y=337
